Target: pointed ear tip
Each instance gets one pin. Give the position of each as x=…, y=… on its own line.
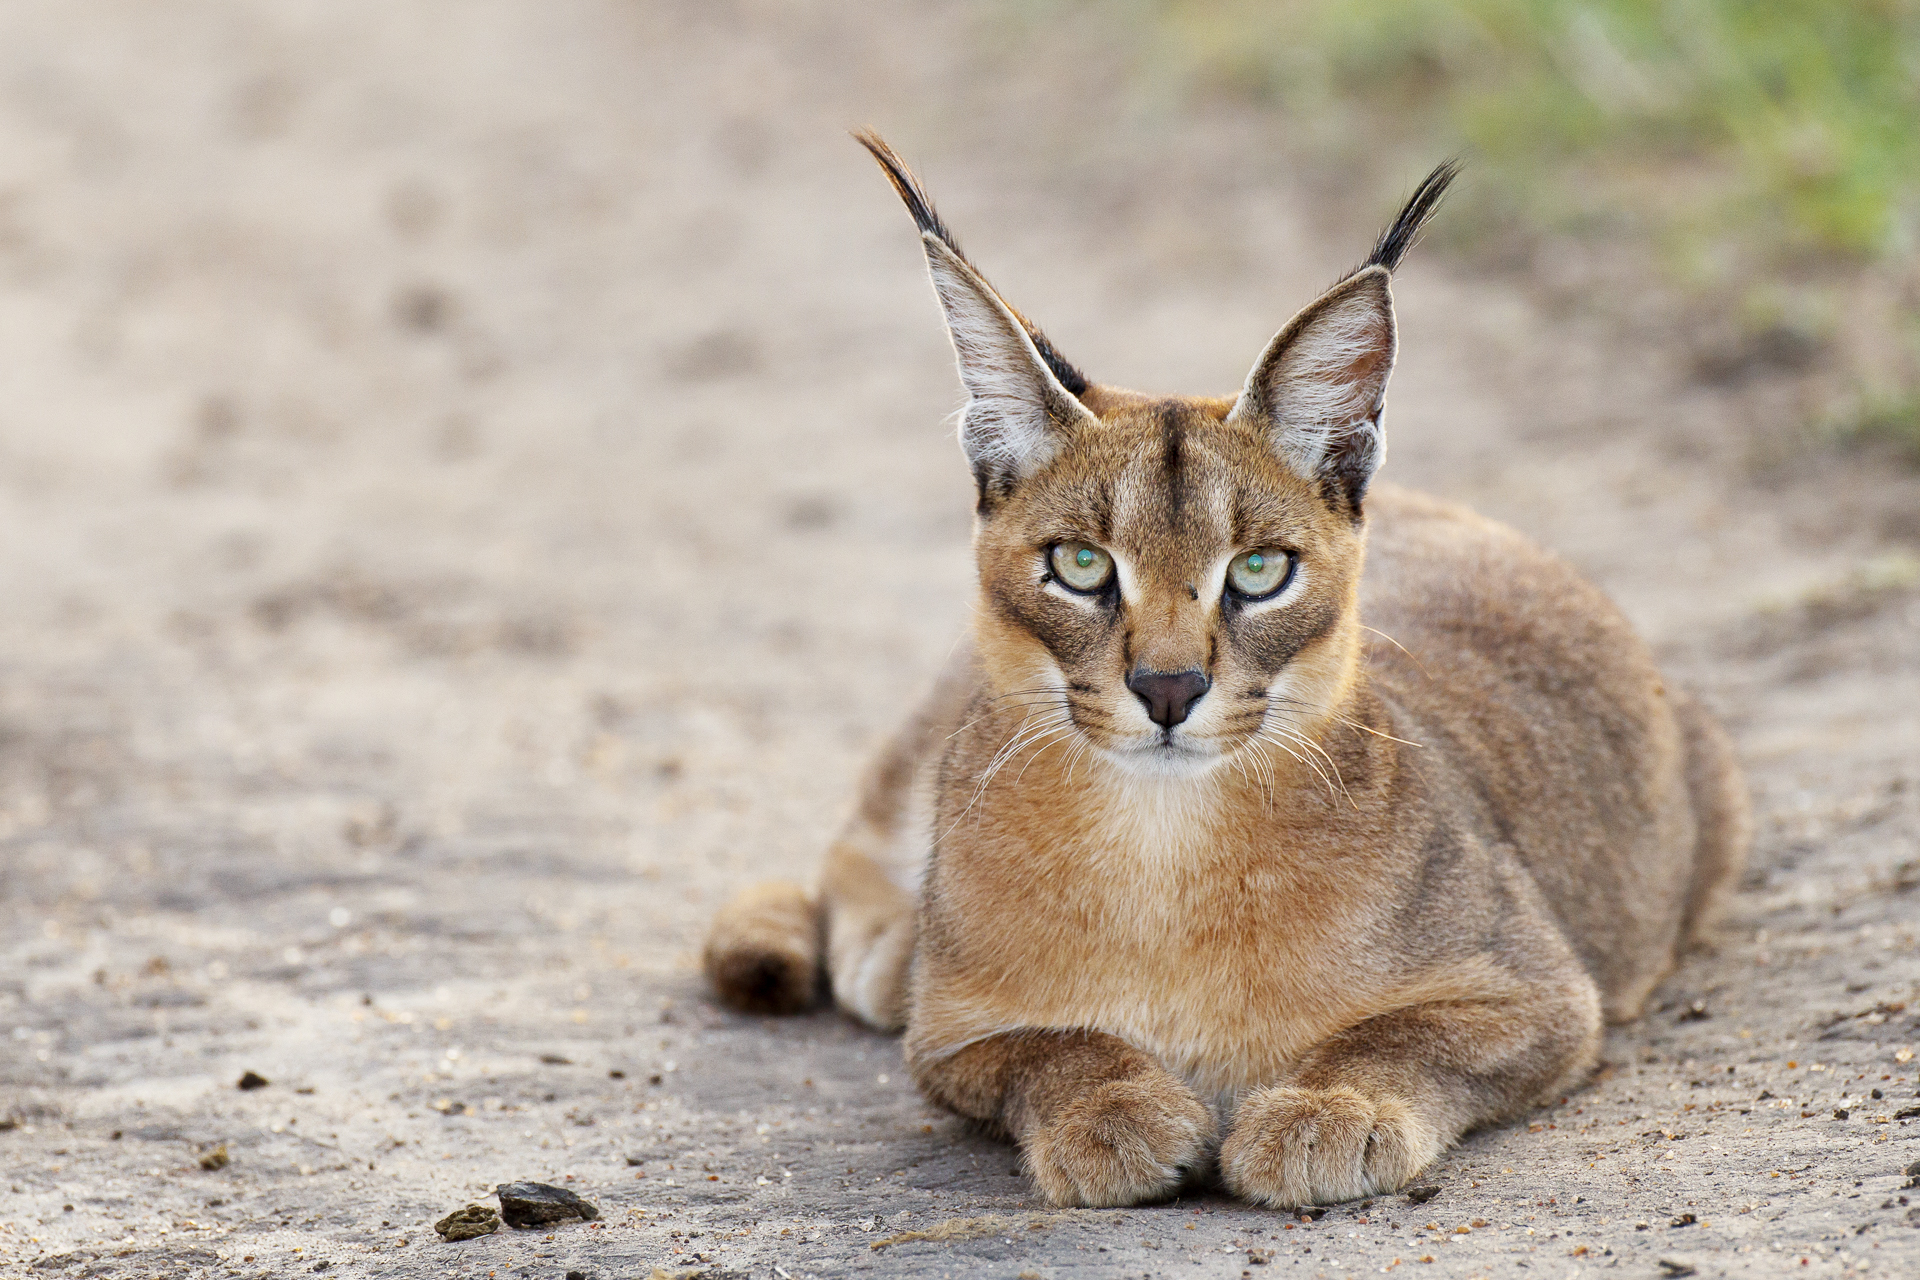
x=1373, y=279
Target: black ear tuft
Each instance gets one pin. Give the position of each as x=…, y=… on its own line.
x=927, y=218
x=907, y=187
x=1421, y=206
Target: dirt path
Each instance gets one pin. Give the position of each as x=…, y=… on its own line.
x=473, y=487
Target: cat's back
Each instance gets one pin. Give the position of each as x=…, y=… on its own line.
x=1527, y=685
x=1459, y=580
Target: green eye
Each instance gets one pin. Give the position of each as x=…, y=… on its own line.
x=1257, y=574
x=1080, y=566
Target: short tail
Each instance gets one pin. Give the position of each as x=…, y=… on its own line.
x=765, y=949
x=1723, y=815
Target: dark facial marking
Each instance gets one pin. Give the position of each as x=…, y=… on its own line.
x=1170, y=455
x=1071, y=635
x=1272, y=638
x=1102, y=513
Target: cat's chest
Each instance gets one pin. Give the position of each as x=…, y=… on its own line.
x=1209, y=943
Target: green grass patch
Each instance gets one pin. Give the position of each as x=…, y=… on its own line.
x=1795, y=121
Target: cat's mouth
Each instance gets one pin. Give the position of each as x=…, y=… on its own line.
x=1169, y=752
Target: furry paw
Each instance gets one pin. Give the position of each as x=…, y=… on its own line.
x=763, y=952
x=1291, y=1147
x=1120, y=1143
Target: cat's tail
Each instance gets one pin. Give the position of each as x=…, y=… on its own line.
x=763, y=950
x=1723, y=815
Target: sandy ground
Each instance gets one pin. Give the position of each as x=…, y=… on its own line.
x=473, y=485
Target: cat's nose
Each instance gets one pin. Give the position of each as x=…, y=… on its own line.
x=1168, y=696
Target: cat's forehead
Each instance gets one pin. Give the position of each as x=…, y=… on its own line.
x=1170, y=479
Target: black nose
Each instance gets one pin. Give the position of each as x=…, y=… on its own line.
x=1168, y=697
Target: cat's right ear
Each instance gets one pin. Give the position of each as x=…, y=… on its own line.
x=1018, y=415
x=1021, y=395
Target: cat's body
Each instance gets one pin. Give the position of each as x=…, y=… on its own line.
x=1338, y=870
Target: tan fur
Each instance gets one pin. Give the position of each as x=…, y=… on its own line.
x=1429, y=826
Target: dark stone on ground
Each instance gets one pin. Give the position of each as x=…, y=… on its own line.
x=1420, y=1195
x=534, y=1204
x=253, y=1080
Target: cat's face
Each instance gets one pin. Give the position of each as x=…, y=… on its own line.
x=1168, y=590
x=1170, y=580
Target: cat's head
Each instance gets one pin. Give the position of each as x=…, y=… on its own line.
x=1174, y=578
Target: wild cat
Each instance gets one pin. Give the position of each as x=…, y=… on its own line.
x=1274, y=820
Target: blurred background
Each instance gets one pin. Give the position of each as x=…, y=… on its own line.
x=1757, y=161
x=476, y=480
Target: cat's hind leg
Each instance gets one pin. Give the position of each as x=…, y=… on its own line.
x=870, y=884
x=770, y=948
x=1722, y=812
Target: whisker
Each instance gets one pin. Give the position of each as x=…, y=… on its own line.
x=1059, y=735
x=1402, y=648
x=1307, y=761
x=1023, y=735
x=1355, y=724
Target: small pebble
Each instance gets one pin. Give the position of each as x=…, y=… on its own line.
x=216, y=1158
x=468, y=1223
x=1420, y=1195
x=253, y=1080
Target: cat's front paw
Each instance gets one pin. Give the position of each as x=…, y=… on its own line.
x=1292, y=1147
x=1121, y=1142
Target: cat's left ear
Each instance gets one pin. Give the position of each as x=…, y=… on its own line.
x=1318, y=390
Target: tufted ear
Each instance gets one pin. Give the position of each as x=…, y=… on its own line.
x=1022, y=404
x=1018, y=415
x=1318, y=390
